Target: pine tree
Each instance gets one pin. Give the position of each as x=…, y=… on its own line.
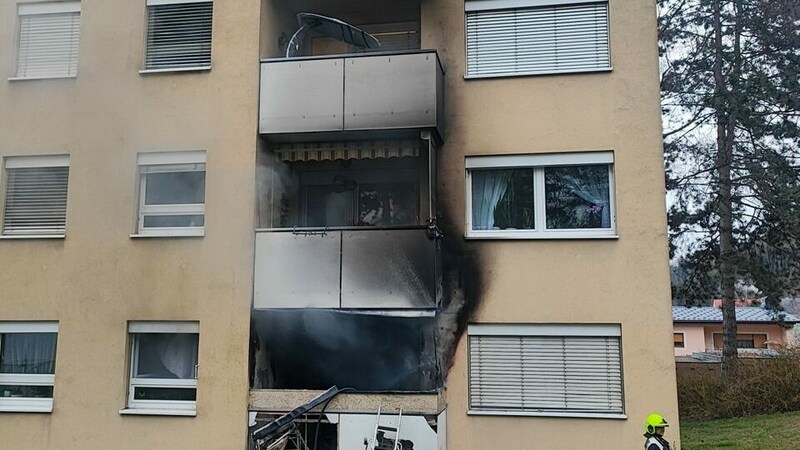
x=730, y=87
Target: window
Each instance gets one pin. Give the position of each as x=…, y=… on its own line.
x=178, y=35
x=549, y=370
x=746, y=341
x=35, y=196
x=678, y=340
x=163, y=377
x=27, y=366
x=47, y=43
x=528, y=37
x=172, y=193
x=568, y=195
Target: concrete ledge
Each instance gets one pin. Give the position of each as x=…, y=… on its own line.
x=284, y=400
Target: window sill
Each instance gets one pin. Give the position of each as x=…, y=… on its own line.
x=499, y=235
x=13, y=405
x=534, y=74
x=171, y=234
x=158, y=412
x=57, y=77
x=175, y=69
x=576, y=415
x=33, y=236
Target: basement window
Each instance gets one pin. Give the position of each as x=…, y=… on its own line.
x=546, y=370
x=163, y=377
x=27, y=366
x=552, y=196
x=172, y=194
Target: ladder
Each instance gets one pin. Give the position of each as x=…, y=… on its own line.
x=380, y=440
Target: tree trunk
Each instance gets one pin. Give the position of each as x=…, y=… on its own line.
x=725, y=139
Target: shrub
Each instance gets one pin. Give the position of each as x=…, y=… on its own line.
x=762, y=386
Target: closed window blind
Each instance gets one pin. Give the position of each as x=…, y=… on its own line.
x=571, y=374
x=535, y=40
x=35, y=200
x=48, y=40
x=178, y=34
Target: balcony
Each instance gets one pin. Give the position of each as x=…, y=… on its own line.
x=358, y=95
x=349, y=268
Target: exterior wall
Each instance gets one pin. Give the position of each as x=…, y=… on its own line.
x=694, y=339
x=566, y=281
x=98, y=278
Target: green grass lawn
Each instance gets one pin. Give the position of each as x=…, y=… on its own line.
x=770, y=432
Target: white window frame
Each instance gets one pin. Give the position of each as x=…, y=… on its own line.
x=32, y=9
x=538, y=163
x=200, y=68
x=24, y=162
x=26, y=404
x=554, y=330
x=169, y=162
x=158, y=407
x=473, y=6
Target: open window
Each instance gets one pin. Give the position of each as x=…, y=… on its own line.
x=346, y=184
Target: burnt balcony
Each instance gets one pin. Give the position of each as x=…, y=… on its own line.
x=349, y=268
x=361, y=94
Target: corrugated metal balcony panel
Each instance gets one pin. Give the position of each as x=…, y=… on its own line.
x=301, y=96
x=353, y=269
x=297, y=271
x=387, y=91
x=388, y=269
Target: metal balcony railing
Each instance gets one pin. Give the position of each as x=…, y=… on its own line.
x=354, y=268
x=351, y=93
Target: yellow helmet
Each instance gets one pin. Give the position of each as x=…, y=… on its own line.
x=653, y=421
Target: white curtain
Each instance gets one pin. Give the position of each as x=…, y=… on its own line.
x=28, y=353
x=167, y=355
x=488, y=187
x=179, y=354
x=593, y=190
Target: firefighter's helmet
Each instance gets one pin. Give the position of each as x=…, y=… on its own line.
x=654, y=421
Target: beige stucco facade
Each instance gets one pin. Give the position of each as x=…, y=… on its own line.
x=98, y=278
x=623, y=280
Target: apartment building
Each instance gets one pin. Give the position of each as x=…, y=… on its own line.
x=213, y=211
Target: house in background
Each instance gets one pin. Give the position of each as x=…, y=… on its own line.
x=699, y=329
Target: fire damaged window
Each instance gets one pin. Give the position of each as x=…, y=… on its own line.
x=27, y=366
x=317, y=349
x=164, y=366
x=374, y=191
x=172, y=190
x=541, y=196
